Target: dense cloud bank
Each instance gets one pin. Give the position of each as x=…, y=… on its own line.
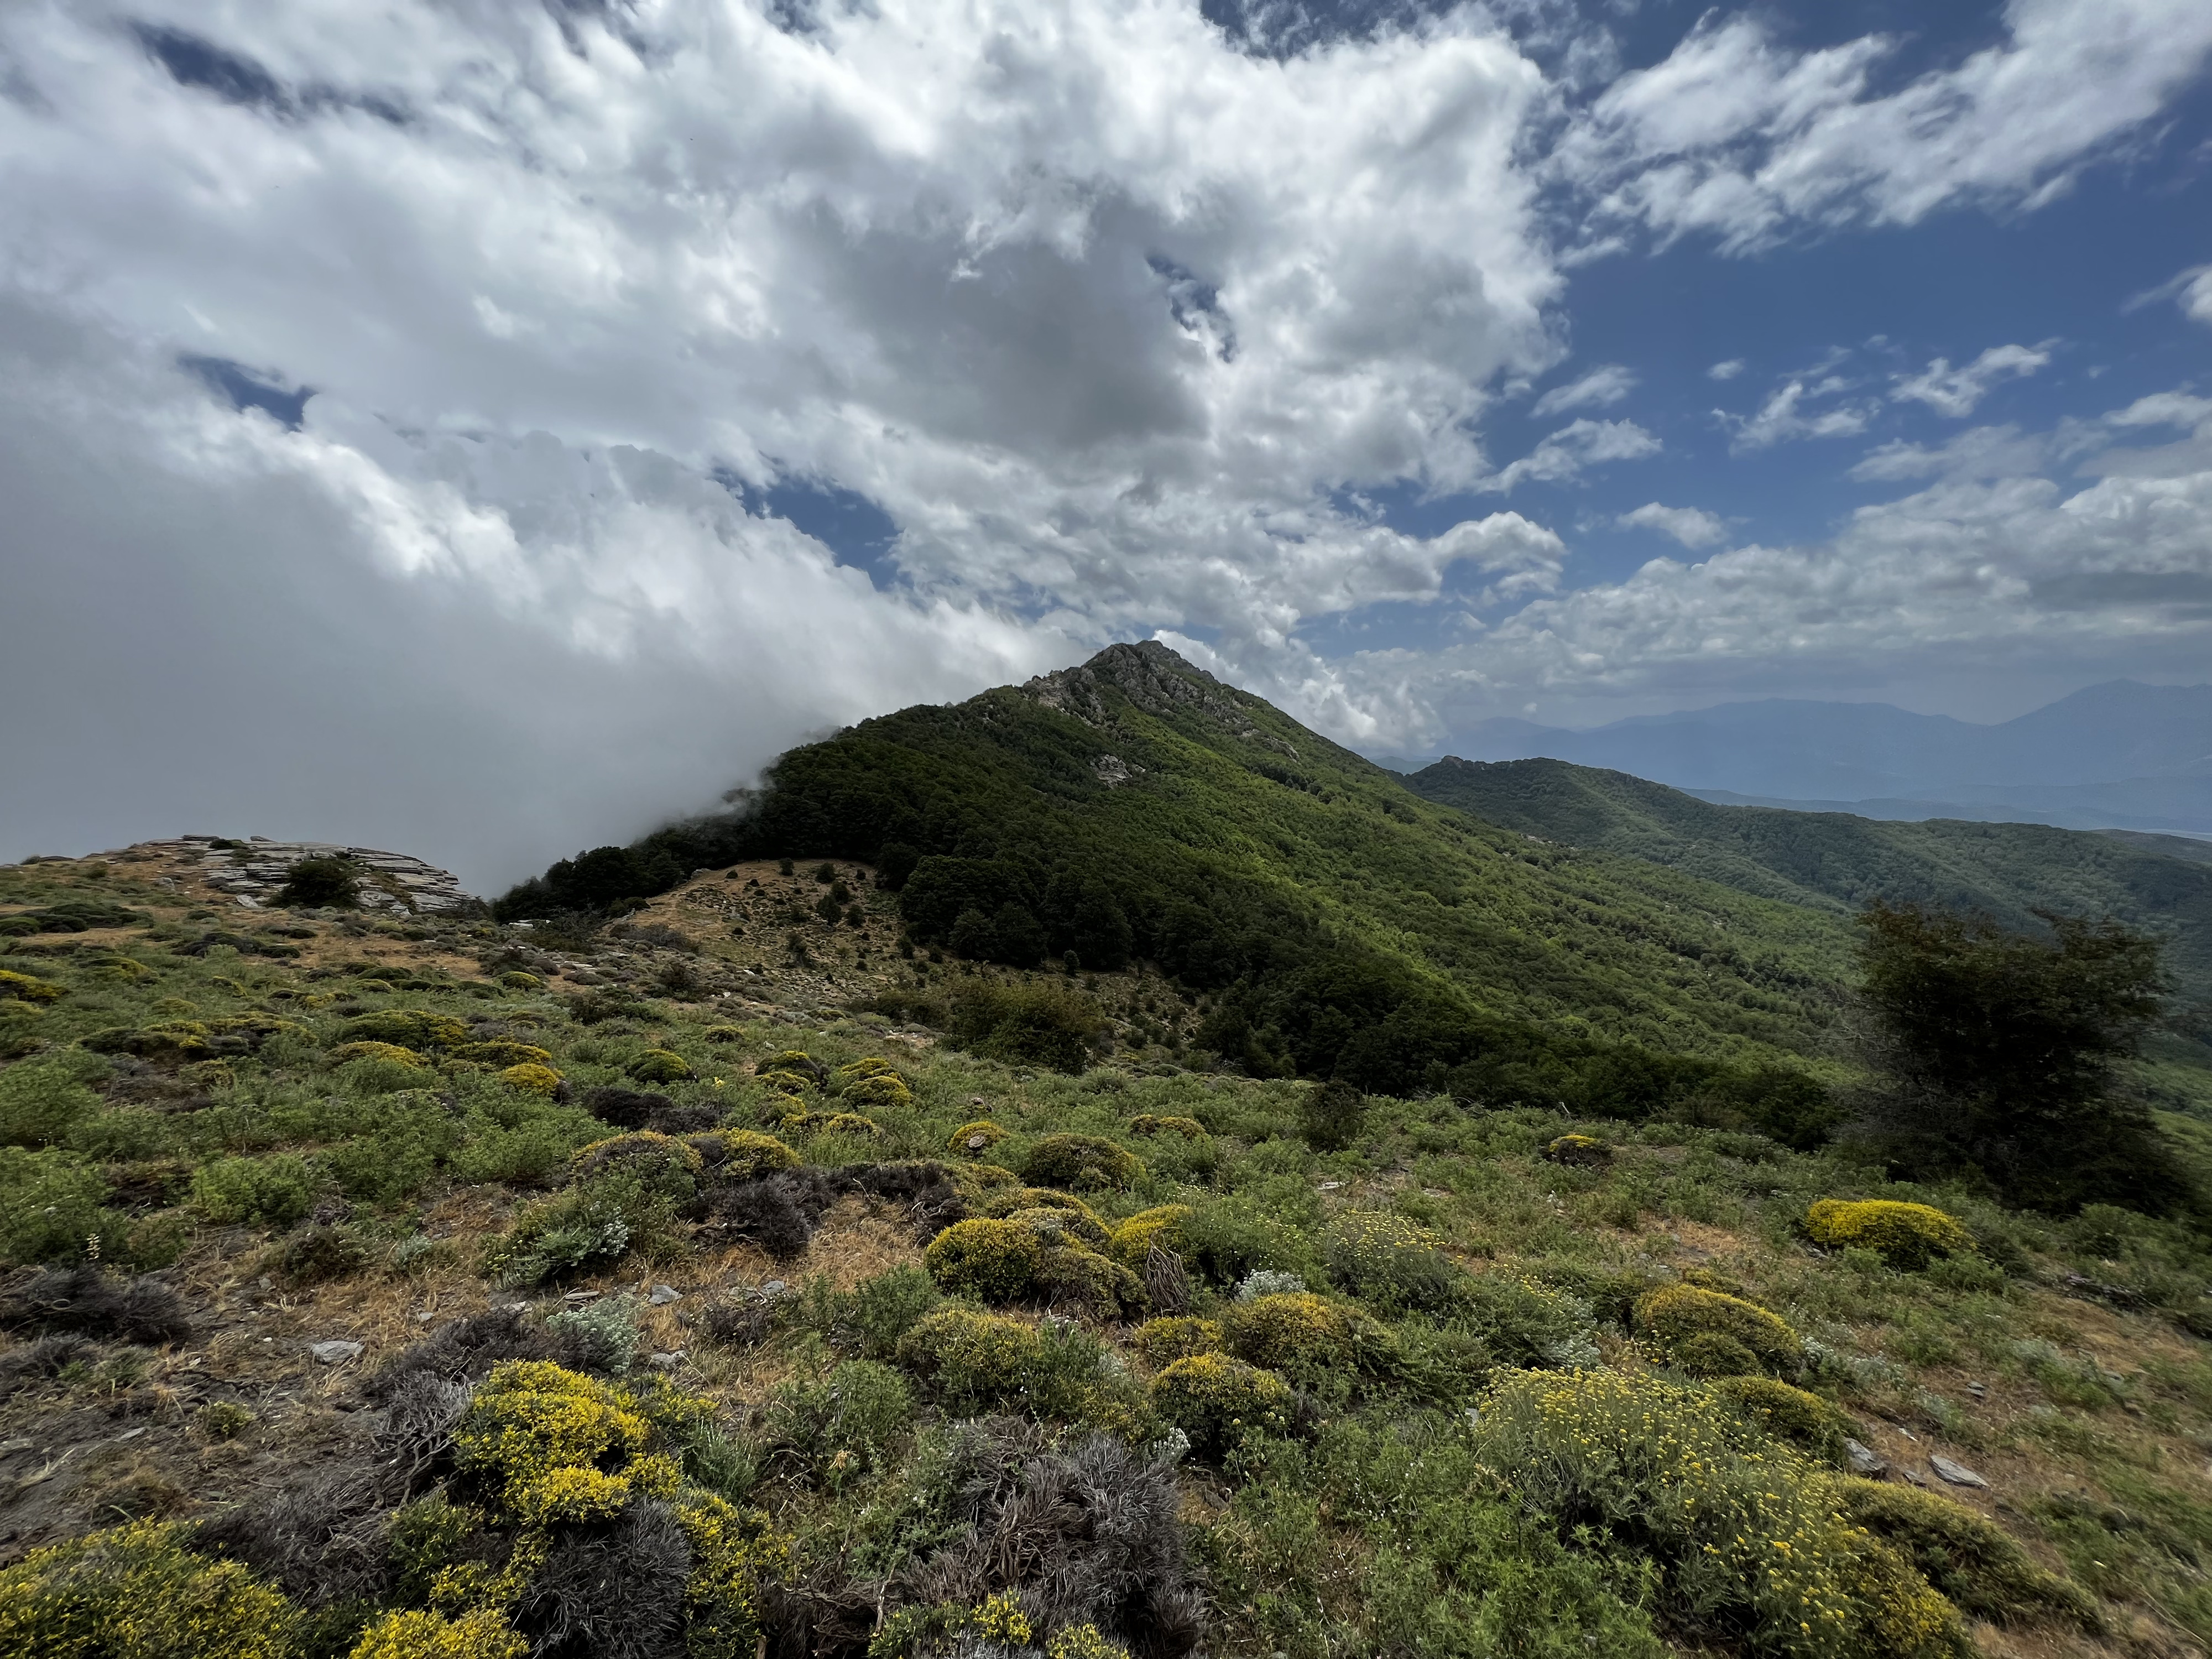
x=395, y=402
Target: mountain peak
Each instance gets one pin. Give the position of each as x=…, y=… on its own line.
x=1153, y=678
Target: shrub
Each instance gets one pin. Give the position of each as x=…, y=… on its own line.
x=599, y=1219
x=532, y=1080
x=879, y=1092
x=1748, y=1541
x=1330, y=1115
x=851, y=1123
x=787, y=1083
x=974, y=1139
x=23, y=987
x=604, y=1332
x=1579, y=1152
x=1908, y=1236
x=480, y=1633
x=1970, y=1560
x=136, y=1590
x=994, y=1261
x=321, y=883
x=1134, y=1241
x=1160, y=1342
x=516, y=980
x=1218, y=1401
x=1073, y=1222
x=797, y=1060
x=1673, y=1314
x=410, y=1028
x=391, y=1053
x=843, y=1425
x=1038, y=1024
x=970, y=1361
x=172, y=1039
x=1072, y=1272
x=49, y=1206
x=1525, y=1321
x=87, y=1300
x=744, y=1154
x=1081, y=1162
x=660, y=1066
x=547, y=1444
x=1391, y=1260
x=1298, y=1331
x=1805, y=1420
x=503, y=1053
x=39, y=1103
x=315, y=1255
x=273, y=1192
x=664, y=1164
x=1146, y=1124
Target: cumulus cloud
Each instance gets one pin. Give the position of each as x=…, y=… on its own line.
x=1738, y=136
x=1692, y=526
x=1986, y=567
x=1574, y=447
x=1600, y=388
x=1955, y=391
x=1783, y=417
x=1726, y=371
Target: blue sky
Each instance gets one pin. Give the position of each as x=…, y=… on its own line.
x=569, y=408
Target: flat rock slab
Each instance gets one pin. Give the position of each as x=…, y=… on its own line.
x=335, y=1353
x=1864, y=1460
x=1957, y=1473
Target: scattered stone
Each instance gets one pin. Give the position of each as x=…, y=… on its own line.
x=1330, y=1186
x=1980, y=1391
x=132, y=1434
x=1910, y=1474
x=425, y=1316
x=1957, y=1473
x=666, y=1362
x=663, y=1295
x=775, y=1287
x=1864, y=1460
x=514, y=1307
x=581, y=1296
x=334, y=1352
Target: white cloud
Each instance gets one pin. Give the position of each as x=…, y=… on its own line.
x=2196, y=295
x=1726, y=371
x=1737, y=135
x=1692, y=526
x=1983, y=569
x=1955, y=391
x=1783, y=418
x=1600, y=388
x=1577, y=445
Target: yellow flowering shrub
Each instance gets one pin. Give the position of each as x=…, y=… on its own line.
x=1081, y=1162
x=23, y=987
x=747, y=1154
x=1579, y=1152
x=1218, y=1401
x=1082, y=1642
x=1058, y=1223
x=515, y=980
x=1679, y=1321
x=732, y=1550
x=1907, y=1234
x=1161, y=1342
x=1133, y=1239
x=1969, y=1558
x=532, y=1080
x=787, y=1083
x=1298, y=1329
x=346, y=1053
x=483, y=1633
x=1805, y=1420
x=974, y=1139
x=995, y=1260
x=1752, y=1535
x=1145, y=1123
x=135, y=1592
x=999, y=1620
x=852, y=1123
x=410, y=1028
x=536, y=1430
x=504, y=1053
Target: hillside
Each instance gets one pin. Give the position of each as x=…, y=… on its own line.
x=2121, y=755
x=1837, y=862
x=1136, y=810
x=396, y=1282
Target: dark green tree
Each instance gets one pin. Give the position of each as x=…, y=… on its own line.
x=2001, y=1052
x=315, y=883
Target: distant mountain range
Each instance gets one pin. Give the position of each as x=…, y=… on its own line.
x=2121, y=755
